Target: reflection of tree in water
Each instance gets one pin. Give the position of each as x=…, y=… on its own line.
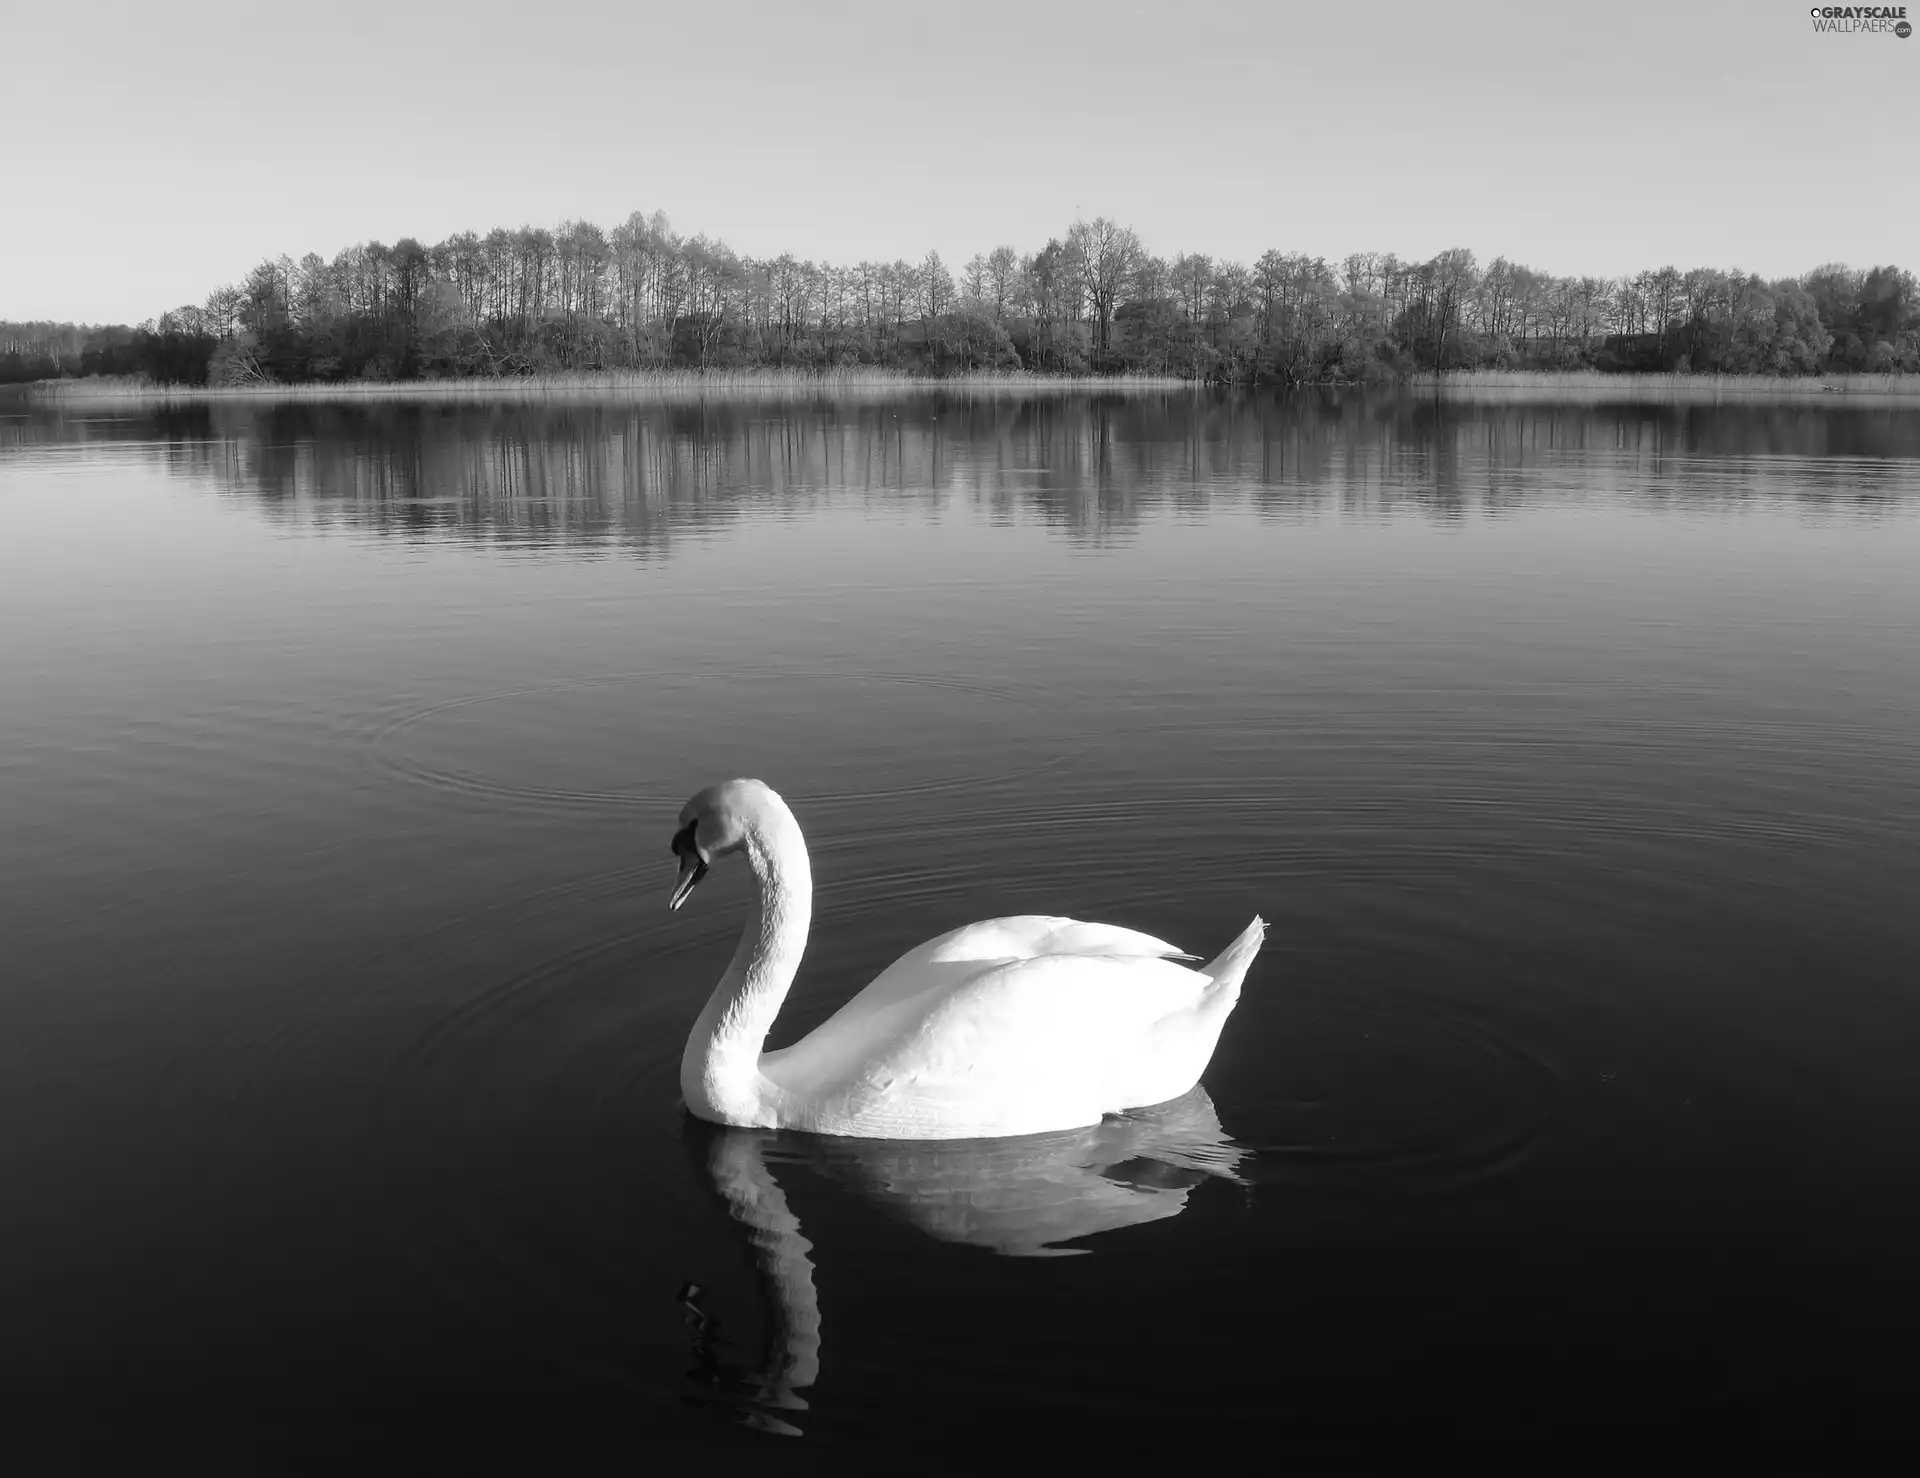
x=1030, y=1196
x=1092, y=467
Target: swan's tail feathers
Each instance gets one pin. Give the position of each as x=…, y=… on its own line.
x=1229, y=967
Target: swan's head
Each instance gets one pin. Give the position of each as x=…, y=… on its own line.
x=715, y=822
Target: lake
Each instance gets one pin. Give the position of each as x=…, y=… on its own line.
x=1571, y=752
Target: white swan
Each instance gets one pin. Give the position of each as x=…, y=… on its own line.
x=1012, y=1026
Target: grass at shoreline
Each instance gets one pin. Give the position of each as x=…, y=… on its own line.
x=1575, y=385
x=637, y=385
x=788, y=384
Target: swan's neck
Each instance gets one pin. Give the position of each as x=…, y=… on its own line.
x=720, y=1072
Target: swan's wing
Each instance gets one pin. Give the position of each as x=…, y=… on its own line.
x=1028, y=936
x=1038, y=1013
x=990, y=1047
x=944, y=968
x=995, y=941
x=1038, y=1043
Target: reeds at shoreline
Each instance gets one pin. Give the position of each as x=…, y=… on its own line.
x=867, y=380
x=1575, y=385
x=636, y=385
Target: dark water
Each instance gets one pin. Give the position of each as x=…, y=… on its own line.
x=1573, y=754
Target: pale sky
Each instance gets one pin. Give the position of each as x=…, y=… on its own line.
x=154, y=151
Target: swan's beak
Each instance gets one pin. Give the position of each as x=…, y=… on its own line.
x=692, y=869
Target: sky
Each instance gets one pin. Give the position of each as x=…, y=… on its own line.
x=151, y=153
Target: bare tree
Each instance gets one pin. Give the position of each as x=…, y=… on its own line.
x=1003, y=279
x=973, y=277
x=936, y=287
x=1105, y=253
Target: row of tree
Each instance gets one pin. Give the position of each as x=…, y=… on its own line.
x=1094, y=300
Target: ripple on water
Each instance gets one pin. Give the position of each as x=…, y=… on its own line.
x=594, y=739
x=1395, y=1096
x=511, y=1113
x=511, y=1117
x=512, y=1108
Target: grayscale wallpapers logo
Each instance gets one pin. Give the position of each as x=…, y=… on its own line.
x=1862, y=20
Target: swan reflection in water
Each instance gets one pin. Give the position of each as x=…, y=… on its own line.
x=1024, y=1197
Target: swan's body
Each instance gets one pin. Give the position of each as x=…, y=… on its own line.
x=1012, y=1026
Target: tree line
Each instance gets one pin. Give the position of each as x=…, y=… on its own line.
x=1092, y=301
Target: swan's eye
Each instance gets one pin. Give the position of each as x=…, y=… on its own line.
x=683, y=843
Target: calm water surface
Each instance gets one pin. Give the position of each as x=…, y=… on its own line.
x=1573, y=754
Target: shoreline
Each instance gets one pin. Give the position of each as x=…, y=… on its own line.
x=1598, y=385
x=696, y=385
x=617, y=385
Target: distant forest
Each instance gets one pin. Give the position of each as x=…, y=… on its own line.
x=1094, y=301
